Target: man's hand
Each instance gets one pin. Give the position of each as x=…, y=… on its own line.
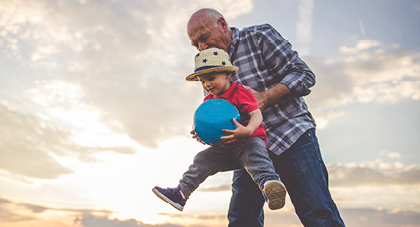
x=194, y=136
x=235, y=135
x=259, y=96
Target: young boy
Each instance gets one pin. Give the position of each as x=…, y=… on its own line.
x=244, y=147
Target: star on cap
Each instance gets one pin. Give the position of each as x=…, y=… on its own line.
x=223, y=63
x=197, y=55
x=204, y=60
x=215, y=53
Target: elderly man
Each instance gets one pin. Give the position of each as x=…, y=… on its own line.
x=279, y=79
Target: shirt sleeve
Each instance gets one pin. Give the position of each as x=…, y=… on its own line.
x=284, y=63
x=247, y=101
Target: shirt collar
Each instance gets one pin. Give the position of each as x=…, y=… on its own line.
x=235, y=37
x=229, y=92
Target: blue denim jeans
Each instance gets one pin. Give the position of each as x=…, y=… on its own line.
x=305, y=176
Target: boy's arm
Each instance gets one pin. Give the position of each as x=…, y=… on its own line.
x=241, y=131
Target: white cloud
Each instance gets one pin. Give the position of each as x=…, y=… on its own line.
x=104, y=221
x=25, y=144
x=32, y=145
x=370, y=71
x=304, y=26
x=360, y=217
x=129, y=59
x=376, y=173
x=360, y=46
x=394, y=155
x=65, y=105
x=323, y=117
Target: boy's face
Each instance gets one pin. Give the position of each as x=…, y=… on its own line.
x=215, y=83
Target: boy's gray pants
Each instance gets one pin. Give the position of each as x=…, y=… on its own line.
x=250, y=155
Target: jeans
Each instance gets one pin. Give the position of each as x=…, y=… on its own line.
x=305, y=176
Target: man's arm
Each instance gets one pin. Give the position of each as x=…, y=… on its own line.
x=294, y=77
x=275, y=94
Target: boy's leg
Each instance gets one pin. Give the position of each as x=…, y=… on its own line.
x=206, y=163
x=253, y=155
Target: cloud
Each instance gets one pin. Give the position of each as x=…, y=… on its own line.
x=96, y=221
x=375, y=173
x=384, y=218
x=354, y=217
x=208, y=219
x=393, y=155
x=367, y=72
x=30, y=145
x=25, y=145
x=304, y=26
x=14, y=213
x=362, y=217
x=130, y=59
x=101, y=76
x=9, y=216
x=367, y=69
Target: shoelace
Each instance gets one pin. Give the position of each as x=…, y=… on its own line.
x=177, y=189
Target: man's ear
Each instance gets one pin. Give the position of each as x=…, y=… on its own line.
x=222, y=23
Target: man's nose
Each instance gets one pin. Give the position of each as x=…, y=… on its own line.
x=202, y=46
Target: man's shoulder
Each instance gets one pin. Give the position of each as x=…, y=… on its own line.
x=255, y=32
x=256, y=28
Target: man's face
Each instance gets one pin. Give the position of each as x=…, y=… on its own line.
x=205, y=34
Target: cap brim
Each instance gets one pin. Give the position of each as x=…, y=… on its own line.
x=193, y=77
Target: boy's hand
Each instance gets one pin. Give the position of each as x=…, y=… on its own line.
x=194, y=136
x=234, y=135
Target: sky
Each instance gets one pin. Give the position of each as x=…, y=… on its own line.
x=95, y=110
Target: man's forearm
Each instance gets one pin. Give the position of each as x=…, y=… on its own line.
x=275, y=94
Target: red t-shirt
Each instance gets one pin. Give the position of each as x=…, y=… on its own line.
x=245, y=102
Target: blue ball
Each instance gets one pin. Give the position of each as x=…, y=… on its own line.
x=211, y=117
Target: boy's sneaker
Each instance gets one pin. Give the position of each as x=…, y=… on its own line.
x=172, y=196
x=274, y=193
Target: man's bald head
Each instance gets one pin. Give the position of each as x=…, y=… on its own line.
x=209, y=15
x=208, y=28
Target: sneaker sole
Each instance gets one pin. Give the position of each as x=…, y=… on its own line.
x=167, y=200
x=276, y=194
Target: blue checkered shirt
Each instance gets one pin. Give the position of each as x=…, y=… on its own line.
x=265, y=59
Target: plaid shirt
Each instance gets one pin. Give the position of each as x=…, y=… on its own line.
x=265, y=59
